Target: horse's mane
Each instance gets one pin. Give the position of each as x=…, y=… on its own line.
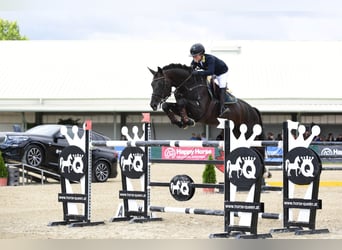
x=177, y=66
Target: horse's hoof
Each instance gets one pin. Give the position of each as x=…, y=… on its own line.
x=179, y=124
x=267, y=174
x=190, y=123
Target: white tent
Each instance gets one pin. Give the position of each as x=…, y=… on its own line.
x=42, y=76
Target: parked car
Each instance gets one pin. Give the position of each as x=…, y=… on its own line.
x=40, y=146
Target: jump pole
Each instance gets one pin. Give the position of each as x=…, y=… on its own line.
x=176, y=143
x=202, y=211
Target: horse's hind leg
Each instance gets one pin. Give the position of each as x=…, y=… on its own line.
x=170, y=110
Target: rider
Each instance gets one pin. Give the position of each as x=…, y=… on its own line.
x=207, y=65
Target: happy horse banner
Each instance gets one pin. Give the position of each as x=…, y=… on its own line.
x=187, y=153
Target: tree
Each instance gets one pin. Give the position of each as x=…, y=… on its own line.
x=209, y=174
x=10, y=31
x=69, y=121
x=3, y=168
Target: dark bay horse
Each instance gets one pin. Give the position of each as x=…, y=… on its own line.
x=194, y=101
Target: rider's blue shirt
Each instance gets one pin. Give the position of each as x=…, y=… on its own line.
x=210, y=65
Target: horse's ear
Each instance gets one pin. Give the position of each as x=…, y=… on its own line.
x=160, y=69
x=152, y=71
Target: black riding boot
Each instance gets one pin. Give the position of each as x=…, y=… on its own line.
x=223, y=109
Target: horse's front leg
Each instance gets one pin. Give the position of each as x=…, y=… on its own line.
x=170, y=110
x=187, y=121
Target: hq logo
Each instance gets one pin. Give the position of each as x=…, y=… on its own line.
x=302, y=165
x=72, y=163
x=244, y=167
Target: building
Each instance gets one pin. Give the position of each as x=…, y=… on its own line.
x=109, y=83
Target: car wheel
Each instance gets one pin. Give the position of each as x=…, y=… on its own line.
x=34, y=156
x=101, y=171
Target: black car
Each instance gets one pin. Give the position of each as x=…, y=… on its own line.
x=40, y=146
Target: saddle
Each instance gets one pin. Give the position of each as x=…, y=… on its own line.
x=214, y=92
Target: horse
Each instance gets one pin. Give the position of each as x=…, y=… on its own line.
x=236, y=167
x=293, y=166
x=194, y=100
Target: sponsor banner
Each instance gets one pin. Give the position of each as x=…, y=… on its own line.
x=80, y=198
x=240, y=206
x=274, y=154
x=119, y=150
x=324, y=151
x=328, y=153
x=303, y=203
x=123, y=194
x=187, y=153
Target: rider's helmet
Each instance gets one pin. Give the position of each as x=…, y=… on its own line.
x=197, y=49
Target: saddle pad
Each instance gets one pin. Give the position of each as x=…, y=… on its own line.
x=230, y=98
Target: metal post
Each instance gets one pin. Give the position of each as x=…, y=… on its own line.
x=88, y=176
x=226, y=180
x=147, y=179
x=285, y=181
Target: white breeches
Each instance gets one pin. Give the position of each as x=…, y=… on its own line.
x=222, y=80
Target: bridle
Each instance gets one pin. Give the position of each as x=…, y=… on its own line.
x=162, y=99
x=159, y=78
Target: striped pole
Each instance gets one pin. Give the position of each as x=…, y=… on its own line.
x=156, y=143
x=201, y=211
x=186, y=210
x=177, y=143
x=191, y=143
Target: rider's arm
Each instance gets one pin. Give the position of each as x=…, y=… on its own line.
x=193, y=64
x=211, y=67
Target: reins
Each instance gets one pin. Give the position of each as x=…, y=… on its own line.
x=182, y=83
x=187, y=88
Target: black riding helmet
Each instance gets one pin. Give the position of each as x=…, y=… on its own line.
x=196, y=49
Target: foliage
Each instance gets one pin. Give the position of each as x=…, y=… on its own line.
x=209, y=174
x=10, y=31
x=3, y=168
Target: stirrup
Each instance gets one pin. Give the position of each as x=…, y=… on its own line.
x=224, y=111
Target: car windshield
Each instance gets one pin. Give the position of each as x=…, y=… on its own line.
x=44, y=130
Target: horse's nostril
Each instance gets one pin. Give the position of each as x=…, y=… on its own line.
x=154, y=107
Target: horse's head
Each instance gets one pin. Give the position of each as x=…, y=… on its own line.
x=161, y=88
